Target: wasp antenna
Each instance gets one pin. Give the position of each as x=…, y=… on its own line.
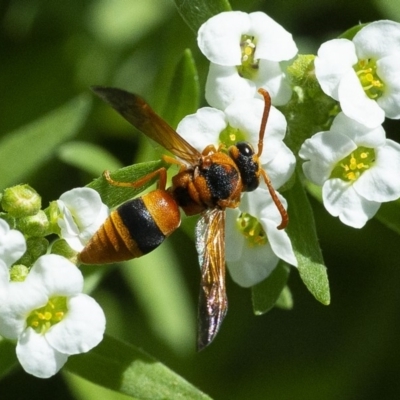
x=267, y=108
x=275, y=199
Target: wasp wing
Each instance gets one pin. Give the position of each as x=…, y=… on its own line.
x=213, y=303
x=136, y=111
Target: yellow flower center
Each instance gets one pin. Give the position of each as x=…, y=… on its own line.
x=230, y=136
x=249, y=65
x=351, y=167
x=42, y=319
x=252, y=230
x=370, y=81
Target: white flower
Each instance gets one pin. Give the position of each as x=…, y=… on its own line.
x=82, y=214
x=49, y=316
x=249, y=261
x=241, y=122
x=12, y=244
x=245, y=51
x=362, y=74
x=254, y=245
x=357, y=167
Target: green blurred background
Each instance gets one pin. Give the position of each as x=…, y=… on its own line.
x=52, y=51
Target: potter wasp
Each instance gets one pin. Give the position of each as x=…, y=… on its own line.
x=207, y=183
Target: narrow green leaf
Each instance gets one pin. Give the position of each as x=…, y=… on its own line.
x=184, y=94
x=389, y=215
x=159, y=287
x=196, y=12
x=122, y=367
x=267, y=292
x=113, y=195
x=8, y=359
x=302, y=233
x=88, y=157
x=285, y=299
x=25, y=149
x=351, y=32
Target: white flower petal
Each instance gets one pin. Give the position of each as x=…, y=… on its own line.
x=37, y=357
x=22, y=298
x=324, y=150
x=378, y=39
x=279, y=242
x=255, y=265
x=381, y=182
x=357, y=132
x=12, y=244
x=84, y=204
x=219, y=37
x=81, y=329
x=56, y=276
x=4, y=280
x=388, y=71
x=246, y=116
x=356, y=104
x=234, y=240
x=281, y=168
x=271, y=77
x=203, y=128
x=224, y=86
x=341, y=200
x=273, y=41
x=335, y=58
x=82, y=215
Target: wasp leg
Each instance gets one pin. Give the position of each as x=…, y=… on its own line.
x=172, y=160
x=161, y=172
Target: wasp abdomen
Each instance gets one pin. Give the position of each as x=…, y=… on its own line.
x=133, y=229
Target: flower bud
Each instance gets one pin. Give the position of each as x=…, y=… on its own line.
x=34, y=225
x=21, y=201
x=36, y=247
x=62, y=248
x=18, y=273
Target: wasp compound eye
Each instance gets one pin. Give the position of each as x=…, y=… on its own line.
x=245, y=149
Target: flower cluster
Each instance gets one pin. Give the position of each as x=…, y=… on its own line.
x=42, y=306
x=245, y=51
x=357, y=167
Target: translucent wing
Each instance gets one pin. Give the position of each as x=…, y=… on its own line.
x=136, y=111
x=213, y=303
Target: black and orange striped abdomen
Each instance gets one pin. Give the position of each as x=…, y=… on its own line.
x=133, y=229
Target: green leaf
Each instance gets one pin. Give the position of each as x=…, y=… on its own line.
x=88, y=157
x=122, y=367
x=266, y=293
x=25, y=149
x=113, y=195
x=196, y=12
x=8, y=359
x=389, y=215
x=159, y=287
x=285, y=299
x=184, y=94
x=302, y=233
x=350, y=33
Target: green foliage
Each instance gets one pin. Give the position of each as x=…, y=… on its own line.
x=27, y=148
x=184, y=94
x=124, y=368
x=268, y=292
x=302, y=233
x=134, y=45
x=113, y=195
x=196, y=12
